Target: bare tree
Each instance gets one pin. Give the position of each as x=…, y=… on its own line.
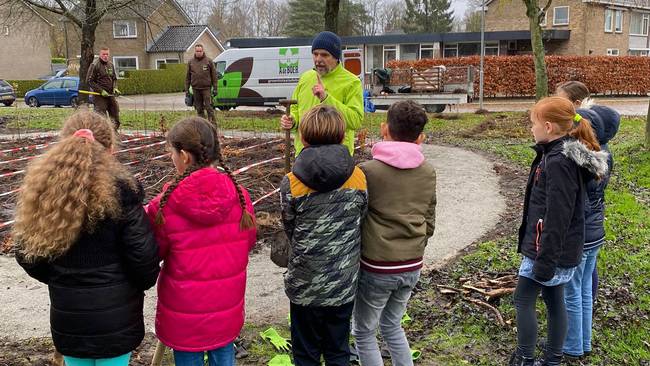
x=535, y=15
x=86, y=16
x=647, y=128
x=248, y=18
x=196, y=9
x=383, y=16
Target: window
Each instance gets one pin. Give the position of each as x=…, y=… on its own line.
x=5, y=30
x=492, y=48
x=123, y=64
x=451, y=50
x=56, y=84
x=640, y=52
x=618, y=21
x=561, y=15
x=409, y=51
x=639, y=24
x=390, y=53
x=160, y=62
x=374, y=58
x=124, y=29
x=352, y=47
x=221, y=67
x=613, y=20
x=426, y=51
x=612, y=52
x=69, y=84
x=609, y=20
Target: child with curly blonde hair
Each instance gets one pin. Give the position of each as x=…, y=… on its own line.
x=81, y=229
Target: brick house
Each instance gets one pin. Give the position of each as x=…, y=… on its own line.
x=597, y=27
x=139, y=37
x=24, y=43
x=176, y=44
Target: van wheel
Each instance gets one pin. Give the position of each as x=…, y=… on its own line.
x=74, y=102
x=434, y=108
x=225, y=108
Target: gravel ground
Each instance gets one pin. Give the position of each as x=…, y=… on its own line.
x=469, y=205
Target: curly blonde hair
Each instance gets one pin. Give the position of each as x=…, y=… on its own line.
x=70, y=188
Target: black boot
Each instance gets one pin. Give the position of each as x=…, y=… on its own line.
x=549, y=360
x=518, y=360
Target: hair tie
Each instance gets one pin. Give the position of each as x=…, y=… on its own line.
x=576, y=120
x=85, y=133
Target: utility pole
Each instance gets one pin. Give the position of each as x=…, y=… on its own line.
x=480, y=90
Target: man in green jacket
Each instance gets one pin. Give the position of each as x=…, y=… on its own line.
x=328, y=83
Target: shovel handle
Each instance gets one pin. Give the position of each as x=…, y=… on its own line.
x=287, y=135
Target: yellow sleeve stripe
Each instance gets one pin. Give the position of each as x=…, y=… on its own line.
x=356, y=181
x=298, y=188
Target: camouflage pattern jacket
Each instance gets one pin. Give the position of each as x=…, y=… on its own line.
x=323, y=201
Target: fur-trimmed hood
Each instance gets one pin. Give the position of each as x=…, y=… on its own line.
x=595, y=162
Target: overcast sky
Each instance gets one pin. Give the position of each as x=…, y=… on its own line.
x=459, y=7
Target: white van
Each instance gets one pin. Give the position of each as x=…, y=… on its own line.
x=263, y=76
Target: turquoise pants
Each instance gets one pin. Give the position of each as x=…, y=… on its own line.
x=115, y=361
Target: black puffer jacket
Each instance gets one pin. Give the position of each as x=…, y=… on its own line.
x=605, y=122
x=552, y=230
x=97, y=287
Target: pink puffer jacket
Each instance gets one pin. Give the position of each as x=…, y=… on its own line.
x=203, y=280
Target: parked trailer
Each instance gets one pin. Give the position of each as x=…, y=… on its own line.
x=434, y=88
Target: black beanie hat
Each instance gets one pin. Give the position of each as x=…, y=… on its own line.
x=329, y=42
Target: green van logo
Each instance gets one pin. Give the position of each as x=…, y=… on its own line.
x=288, y=62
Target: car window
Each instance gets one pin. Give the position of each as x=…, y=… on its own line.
x=71, y=84
x=221, y=67
x=4, y=83
x=56, y=84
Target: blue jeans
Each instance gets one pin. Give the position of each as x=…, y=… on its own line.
x=224, y=356
x=115, y=361
x=579, y=305
x=380, y=303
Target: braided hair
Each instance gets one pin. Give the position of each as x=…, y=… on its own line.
x=200, y=139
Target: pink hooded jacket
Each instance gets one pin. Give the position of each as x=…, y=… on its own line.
x=202, y=283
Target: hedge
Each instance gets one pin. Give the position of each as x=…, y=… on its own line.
x=515, y=75
x=23, y=86
x=59, y=60
x=169, y=79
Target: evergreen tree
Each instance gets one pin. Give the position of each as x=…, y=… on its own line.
x=428, y=16
x=306, y=18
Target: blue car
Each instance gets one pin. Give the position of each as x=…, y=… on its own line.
x=57, y=92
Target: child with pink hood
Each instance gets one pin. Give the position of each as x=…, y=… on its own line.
x=400, y=221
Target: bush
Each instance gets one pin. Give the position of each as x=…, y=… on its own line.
x=59, y=60
x=515, y=75
x=23, y=86
x=169, y=79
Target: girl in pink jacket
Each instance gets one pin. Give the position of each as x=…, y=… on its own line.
x=205, y=228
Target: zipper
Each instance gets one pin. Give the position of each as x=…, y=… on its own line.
x=539, y=227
